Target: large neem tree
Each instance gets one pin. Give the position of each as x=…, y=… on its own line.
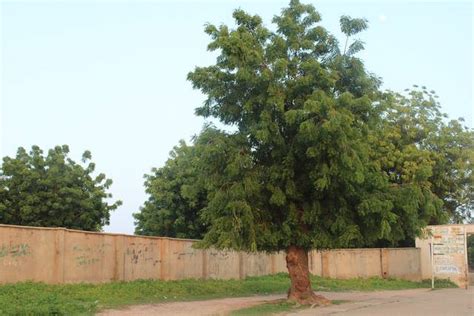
x=52, y=190
x=298, y=173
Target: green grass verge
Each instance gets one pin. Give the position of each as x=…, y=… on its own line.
x=275, y=307
x=339, y=302
x=374, y=284
x=71, y=299
x=270, y=308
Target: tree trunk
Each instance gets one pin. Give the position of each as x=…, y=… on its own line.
x=300, y=290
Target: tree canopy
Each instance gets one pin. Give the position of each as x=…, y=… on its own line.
x=415, y=139
x=176, y=196
x=53, y=191
x=300, y=170
x=264, y=84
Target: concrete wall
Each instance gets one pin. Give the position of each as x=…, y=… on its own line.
x=56, y=255
x=33, y=254
x=402, y=263
x=452, y=238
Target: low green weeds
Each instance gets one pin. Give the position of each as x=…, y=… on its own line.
x=70, y=299
x=269, y=308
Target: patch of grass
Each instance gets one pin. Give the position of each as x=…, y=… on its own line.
x=42, y=299
x=269, y=308
x=373, y=284
x=39, y=298
x=439, y=284
x=275, y=307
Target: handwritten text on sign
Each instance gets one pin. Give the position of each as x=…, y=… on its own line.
x=448, y=250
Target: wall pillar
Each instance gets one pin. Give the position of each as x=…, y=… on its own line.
x=384, y=263
x=205, y=273
x=164, y=256
x=241, y=266
x=325, y=263
x=119, y=262
x=59, y=256
x=273, y=258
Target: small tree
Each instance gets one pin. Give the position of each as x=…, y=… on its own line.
x=53, y=191
x=176, y=196
x=298, y=173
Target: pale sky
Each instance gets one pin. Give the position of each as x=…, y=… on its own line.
x=110, y=76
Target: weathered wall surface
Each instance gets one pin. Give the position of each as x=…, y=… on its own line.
x=444, y=248
x=402, y=263
x=56, y=255
x=33, y=253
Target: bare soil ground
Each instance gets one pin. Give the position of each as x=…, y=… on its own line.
x=404, y=302
x=422, y=302
x=208, y=307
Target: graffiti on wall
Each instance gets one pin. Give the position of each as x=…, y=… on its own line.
x=87, y=255
x=220, y=255
x=182, y=255
x=223, y=263
x=143, y=253
x=11, y=254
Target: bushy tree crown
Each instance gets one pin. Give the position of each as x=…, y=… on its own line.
x=53, y=191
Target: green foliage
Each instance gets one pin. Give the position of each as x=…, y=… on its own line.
x=71, y=299
x=320, y=157
x=417, y=146
x=270, y=308
x=176, y=197
x=470, y=252
x=311, y=161
x=375, y=284
x=350, y=27
x=53, y=190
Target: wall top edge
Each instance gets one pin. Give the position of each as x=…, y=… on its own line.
x=191, y=240
x=94, y=233
x=451, y=225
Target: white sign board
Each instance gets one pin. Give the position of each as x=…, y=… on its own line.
x=448, y=250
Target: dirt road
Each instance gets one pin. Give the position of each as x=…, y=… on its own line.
x=423, y=302
x=405, y=302
x=209, y=307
